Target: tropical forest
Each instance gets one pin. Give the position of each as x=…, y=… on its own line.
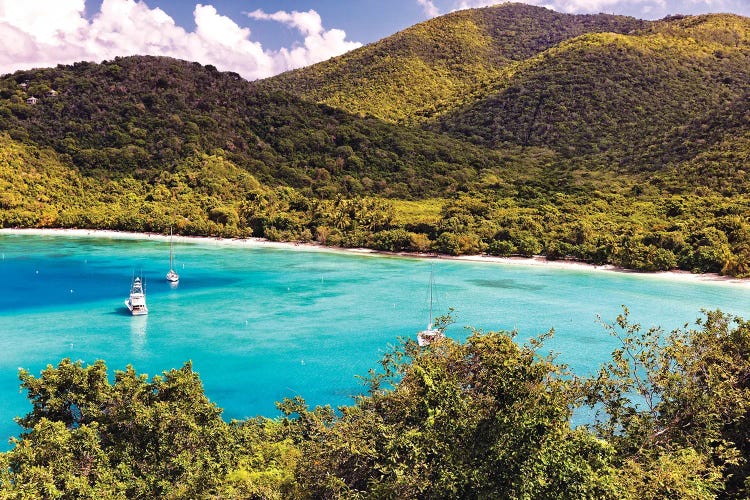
x=507, y=131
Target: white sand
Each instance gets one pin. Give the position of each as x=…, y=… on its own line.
x=260, y=242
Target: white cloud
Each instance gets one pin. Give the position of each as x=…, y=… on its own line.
x=308, y=22
x=319, y=44
x=48, y=32
x=430, y=9
x=57, y=17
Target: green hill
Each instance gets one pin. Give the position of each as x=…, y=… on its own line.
x=439, y=63
x=611, y=93
x=615, y=90
x=144, y=115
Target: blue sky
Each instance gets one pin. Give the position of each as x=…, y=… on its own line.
x=256, y=38
x=364, y=21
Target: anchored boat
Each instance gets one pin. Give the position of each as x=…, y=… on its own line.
x=425, y=337
x=137, y=300
x=172, y=276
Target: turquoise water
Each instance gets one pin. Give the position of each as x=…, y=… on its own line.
x=261, y=324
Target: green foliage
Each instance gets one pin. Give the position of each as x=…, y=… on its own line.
x=487, y=418
x=267, y=460
x=154, y=115
x=134, y=438
x=53, y=461
x=209, y=195
x=439, y=64
x=675, y=406
x=655, y=82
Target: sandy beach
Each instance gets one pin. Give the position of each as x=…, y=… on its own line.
x=537, y=261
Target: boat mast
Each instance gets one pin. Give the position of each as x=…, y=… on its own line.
x=171, y=249
x=432, y=272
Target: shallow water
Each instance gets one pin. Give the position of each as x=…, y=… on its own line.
x=260, y=324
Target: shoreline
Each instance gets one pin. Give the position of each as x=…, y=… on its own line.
x=536, y=261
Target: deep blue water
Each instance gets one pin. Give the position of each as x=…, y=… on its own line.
x=260, y=324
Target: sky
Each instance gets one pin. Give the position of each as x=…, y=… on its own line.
x=255, y=38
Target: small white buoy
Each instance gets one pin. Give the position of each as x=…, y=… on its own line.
x=71, y=290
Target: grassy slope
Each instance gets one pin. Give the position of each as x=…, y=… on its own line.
x=438, y=64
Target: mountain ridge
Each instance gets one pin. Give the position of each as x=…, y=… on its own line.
x=446, y=58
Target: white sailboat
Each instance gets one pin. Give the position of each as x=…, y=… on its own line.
x=425, y=337
x=172, y=276
x=137, y=300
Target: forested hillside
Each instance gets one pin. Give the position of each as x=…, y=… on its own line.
x=613, y=94
x=510, y=130
x=440, y=63
x=146, y=115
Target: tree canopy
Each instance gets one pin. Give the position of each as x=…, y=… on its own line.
x=484, y=418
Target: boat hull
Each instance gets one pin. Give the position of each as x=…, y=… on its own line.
x=426, y=337
x=137, y=309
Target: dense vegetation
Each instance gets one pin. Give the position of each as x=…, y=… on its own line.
x=145, y=117
x=607, y=91
x=509, y=130
x=209, y=194
x=438, y=64
x=487, y=418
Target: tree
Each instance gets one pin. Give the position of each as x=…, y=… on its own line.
x=154, y=438
x=487, y=418
x=53, y=461
x=680, y=401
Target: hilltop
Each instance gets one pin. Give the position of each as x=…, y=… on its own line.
x=438, y=64
x=611, y=88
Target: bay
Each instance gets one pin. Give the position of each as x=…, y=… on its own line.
x=260, y=324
